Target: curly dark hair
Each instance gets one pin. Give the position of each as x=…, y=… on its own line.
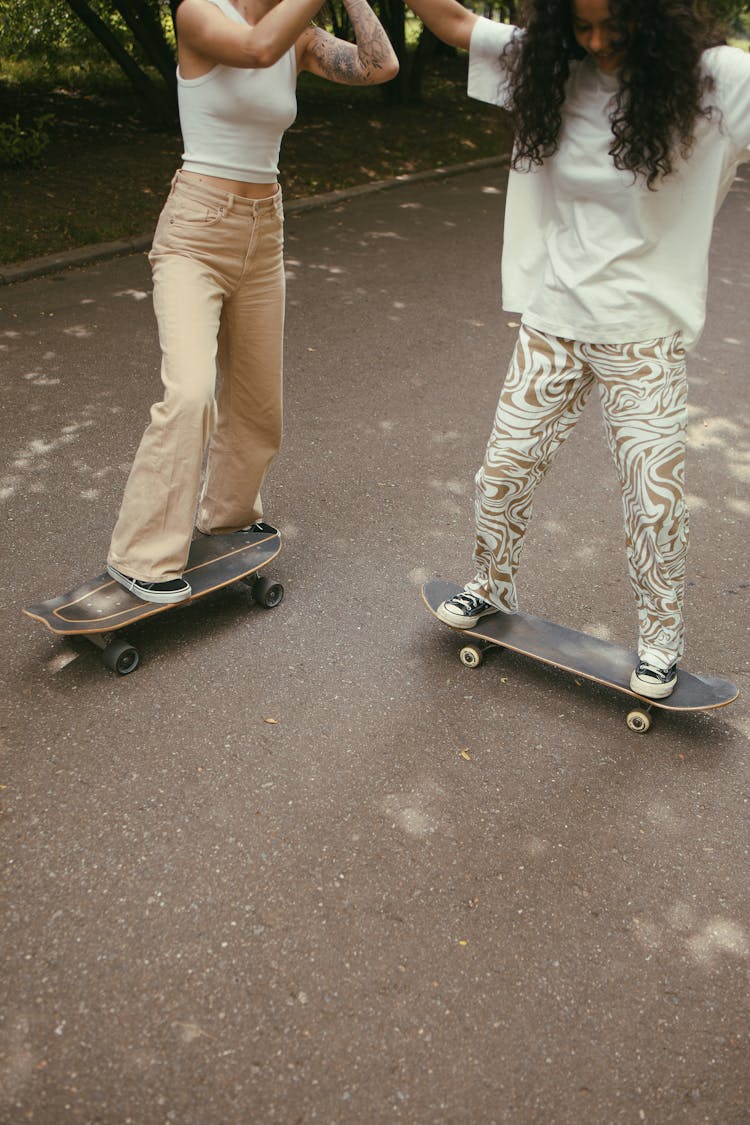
x=662, y=93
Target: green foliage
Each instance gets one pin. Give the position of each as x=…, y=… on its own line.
x=135, y=34
x=40, y=28
x=21, y=145
x=34, y=28
x=65, y=70
x=730, y=11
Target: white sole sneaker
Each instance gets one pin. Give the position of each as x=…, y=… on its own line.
x=458, y=620
x=149, y=591
x=652, y=688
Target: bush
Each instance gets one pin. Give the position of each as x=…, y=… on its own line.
x=19, y=145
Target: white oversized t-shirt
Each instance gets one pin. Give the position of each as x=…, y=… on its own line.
x=590, y=254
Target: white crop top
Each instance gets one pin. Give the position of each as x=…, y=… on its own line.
x=233, y=118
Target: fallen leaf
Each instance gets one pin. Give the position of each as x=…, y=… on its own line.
x=465, y=755
x=266, y=719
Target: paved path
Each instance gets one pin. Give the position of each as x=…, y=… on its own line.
x=423, y=894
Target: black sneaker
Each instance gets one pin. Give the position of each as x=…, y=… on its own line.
x=165, y=593
x=260, y=526
x=463, y=610
x=653, y=682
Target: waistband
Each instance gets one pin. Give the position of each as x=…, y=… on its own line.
x=214, y=196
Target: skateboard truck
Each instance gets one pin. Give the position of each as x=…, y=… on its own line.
x=117, y=654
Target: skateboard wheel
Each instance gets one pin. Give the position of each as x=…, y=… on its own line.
x=470, y=656
x=120, y=657
x=639, y=721
x=268, y=594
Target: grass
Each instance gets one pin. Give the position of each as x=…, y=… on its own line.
x=104, y=177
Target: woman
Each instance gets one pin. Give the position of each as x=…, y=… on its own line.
x=630, y=122
x=219, y=276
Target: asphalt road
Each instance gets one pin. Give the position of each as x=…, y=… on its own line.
x=422, y=893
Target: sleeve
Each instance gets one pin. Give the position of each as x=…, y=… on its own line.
x=487, y=74
x=730, y=68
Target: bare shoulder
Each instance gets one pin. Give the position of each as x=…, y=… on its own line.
x=191, y=7
x=194, y=13
x=206, y=35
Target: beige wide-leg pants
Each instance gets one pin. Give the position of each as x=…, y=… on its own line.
x=217, y=262
x=643, y=392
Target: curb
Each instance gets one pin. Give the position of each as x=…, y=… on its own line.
x=100, y=251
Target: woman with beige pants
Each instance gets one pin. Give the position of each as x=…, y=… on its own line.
x=218, y=272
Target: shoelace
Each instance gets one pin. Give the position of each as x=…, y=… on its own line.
x=468, y=602
x=659, y=674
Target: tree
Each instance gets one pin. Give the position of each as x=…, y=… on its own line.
x=730, y=11
x=143, y=21
x=407, y=85
x=136, y=34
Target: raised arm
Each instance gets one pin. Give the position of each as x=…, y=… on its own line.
x=365, y=63
x=205, y=36
x=447, y=19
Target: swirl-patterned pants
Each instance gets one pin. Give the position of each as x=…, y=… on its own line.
x=643, y=392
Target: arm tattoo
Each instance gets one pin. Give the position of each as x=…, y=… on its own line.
x=346, y=62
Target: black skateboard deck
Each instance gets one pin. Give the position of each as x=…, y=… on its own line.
x=100, y=607
x=580, y=654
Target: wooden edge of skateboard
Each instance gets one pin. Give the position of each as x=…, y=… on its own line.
x=57, y=632
x=106, y=625
x=664, y=704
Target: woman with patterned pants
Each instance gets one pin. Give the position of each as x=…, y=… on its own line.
x=643, y=394
x=631, y=118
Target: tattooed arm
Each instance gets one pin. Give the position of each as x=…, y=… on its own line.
x=365, y=63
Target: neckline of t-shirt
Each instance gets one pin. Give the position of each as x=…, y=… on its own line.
x=605, y=81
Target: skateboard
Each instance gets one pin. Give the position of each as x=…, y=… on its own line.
x=580, y=654
x=99, y=608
